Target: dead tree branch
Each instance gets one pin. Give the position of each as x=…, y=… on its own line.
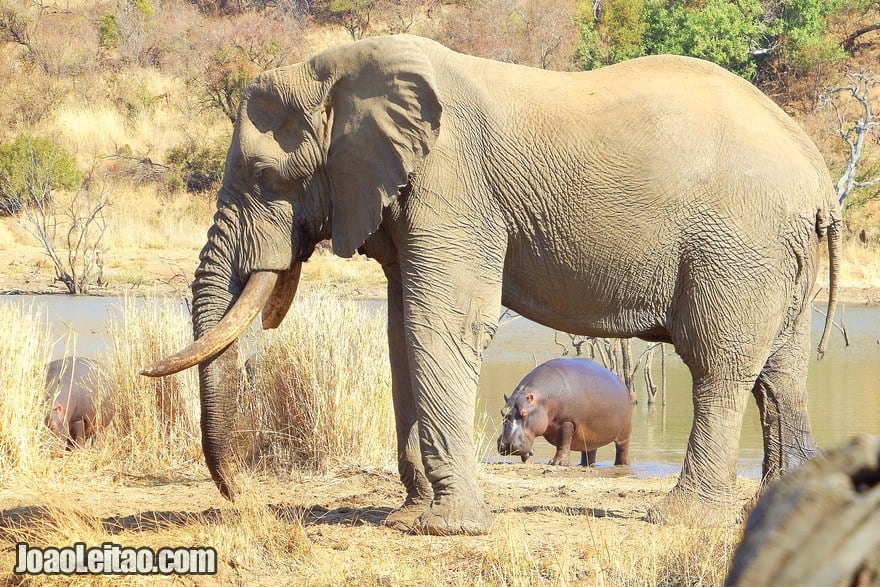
x=853, y=133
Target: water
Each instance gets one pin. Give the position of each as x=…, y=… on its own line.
x=844, y=387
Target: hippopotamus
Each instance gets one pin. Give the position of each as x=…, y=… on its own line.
x=574, y=404
x=70, y=389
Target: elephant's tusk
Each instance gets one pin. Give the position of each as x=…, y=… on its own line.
x=257, y=290
x=282, y=296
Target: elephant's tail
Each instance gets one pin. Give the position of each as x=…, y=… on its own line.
x=832, y=228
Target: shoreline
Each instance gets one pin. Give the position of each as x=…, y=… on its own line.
x=847, y=295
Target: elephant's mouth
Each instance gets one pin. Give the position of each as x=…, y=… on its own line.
x=257, y=292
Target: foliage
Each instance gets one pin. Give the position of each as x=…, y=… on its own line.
x=800, y=32
x=108, y=30
x=731, y=33
x=353, y=15
x=539, y=33
x=133, y=21
x=30, y=168
x=197, y=167
x=616, y=35
x=235, y=64
x=718, y=30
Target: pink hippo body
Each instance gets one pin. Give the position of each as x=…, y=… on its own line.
x=575, y=404
x=69, y=386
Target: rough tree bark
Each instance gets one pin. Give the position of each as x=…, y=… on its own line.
x=817, y=526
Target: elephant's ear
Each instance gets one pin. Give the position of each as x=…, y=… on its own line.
x=383, y=112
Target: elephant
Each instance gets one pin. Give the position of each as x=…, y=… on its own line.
x=662, y=198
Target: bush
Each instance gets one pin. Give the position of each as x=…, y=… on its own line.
x=729, y=33
x=197, y=167
x=30, y=168
x=108, y=30
x=614, y=37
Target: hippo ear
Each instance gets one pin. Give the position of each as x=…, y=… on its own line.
x=523, y=413
x=58, y=409
x=530, y=398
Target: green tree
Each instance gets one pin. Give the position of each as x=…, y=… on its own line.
x=720, y=31
x=30, y=168
x=616, y=35
x=800, y=32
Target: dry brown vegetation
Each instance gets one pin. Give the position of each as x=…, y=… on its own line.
x=147, y=106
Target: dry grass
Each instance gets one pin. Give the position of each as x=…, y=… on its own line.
x=24, y=347
x=322, y=387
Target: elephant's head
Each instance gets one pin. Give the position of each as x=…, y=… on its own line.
x=319, y=149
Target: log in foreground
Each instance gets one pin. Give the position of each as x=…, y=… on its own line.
x=817, y=526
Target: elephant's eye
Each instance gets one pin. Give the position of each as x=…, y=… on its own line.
x=270, y=179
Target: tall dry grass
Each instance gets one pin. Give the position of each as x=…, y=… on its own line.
x=24, y=346
x=154, y=425
x=321, y=392
x=320, y=396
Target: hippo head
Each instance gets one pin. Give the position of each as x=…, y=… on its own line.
x=521, y=423
x=56, y=420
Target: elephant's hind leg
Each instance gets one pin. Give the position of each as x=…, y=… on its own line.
x=781, y=394
x=725, y=354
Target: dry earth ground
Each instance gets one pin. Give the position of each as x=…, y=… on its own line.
x=553, y=525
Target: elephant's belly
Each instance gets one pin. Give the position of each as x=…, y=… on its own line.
x=595, y=307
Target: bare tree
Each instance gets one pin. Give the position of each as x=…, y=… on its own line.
x=842, y=99
x=71, y=232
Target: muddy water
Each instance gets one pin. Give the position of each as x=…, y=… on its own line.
x=844, y=387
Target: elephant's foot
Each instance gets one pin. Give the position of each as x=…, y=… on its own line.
x=680, y=507
x=404, y=518
x=455, y=516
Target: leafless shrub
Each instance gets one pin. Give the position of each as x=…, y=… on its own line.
x=70, y=229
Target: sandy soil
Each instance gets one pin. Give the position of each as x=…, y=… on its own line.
x=573, y=520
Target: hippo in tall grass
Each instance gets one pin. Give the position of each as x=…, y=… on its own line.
x=70, y=387
x=574, y=404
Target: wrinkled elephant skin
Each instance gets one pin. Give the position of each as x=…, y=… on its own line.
x=661, y=198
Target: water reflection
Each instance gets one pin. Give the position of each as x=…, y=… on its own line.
x=844, y=387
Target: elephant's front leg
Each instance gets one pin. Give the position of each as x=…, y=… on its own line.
x=451, y=315
x=409, y=459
